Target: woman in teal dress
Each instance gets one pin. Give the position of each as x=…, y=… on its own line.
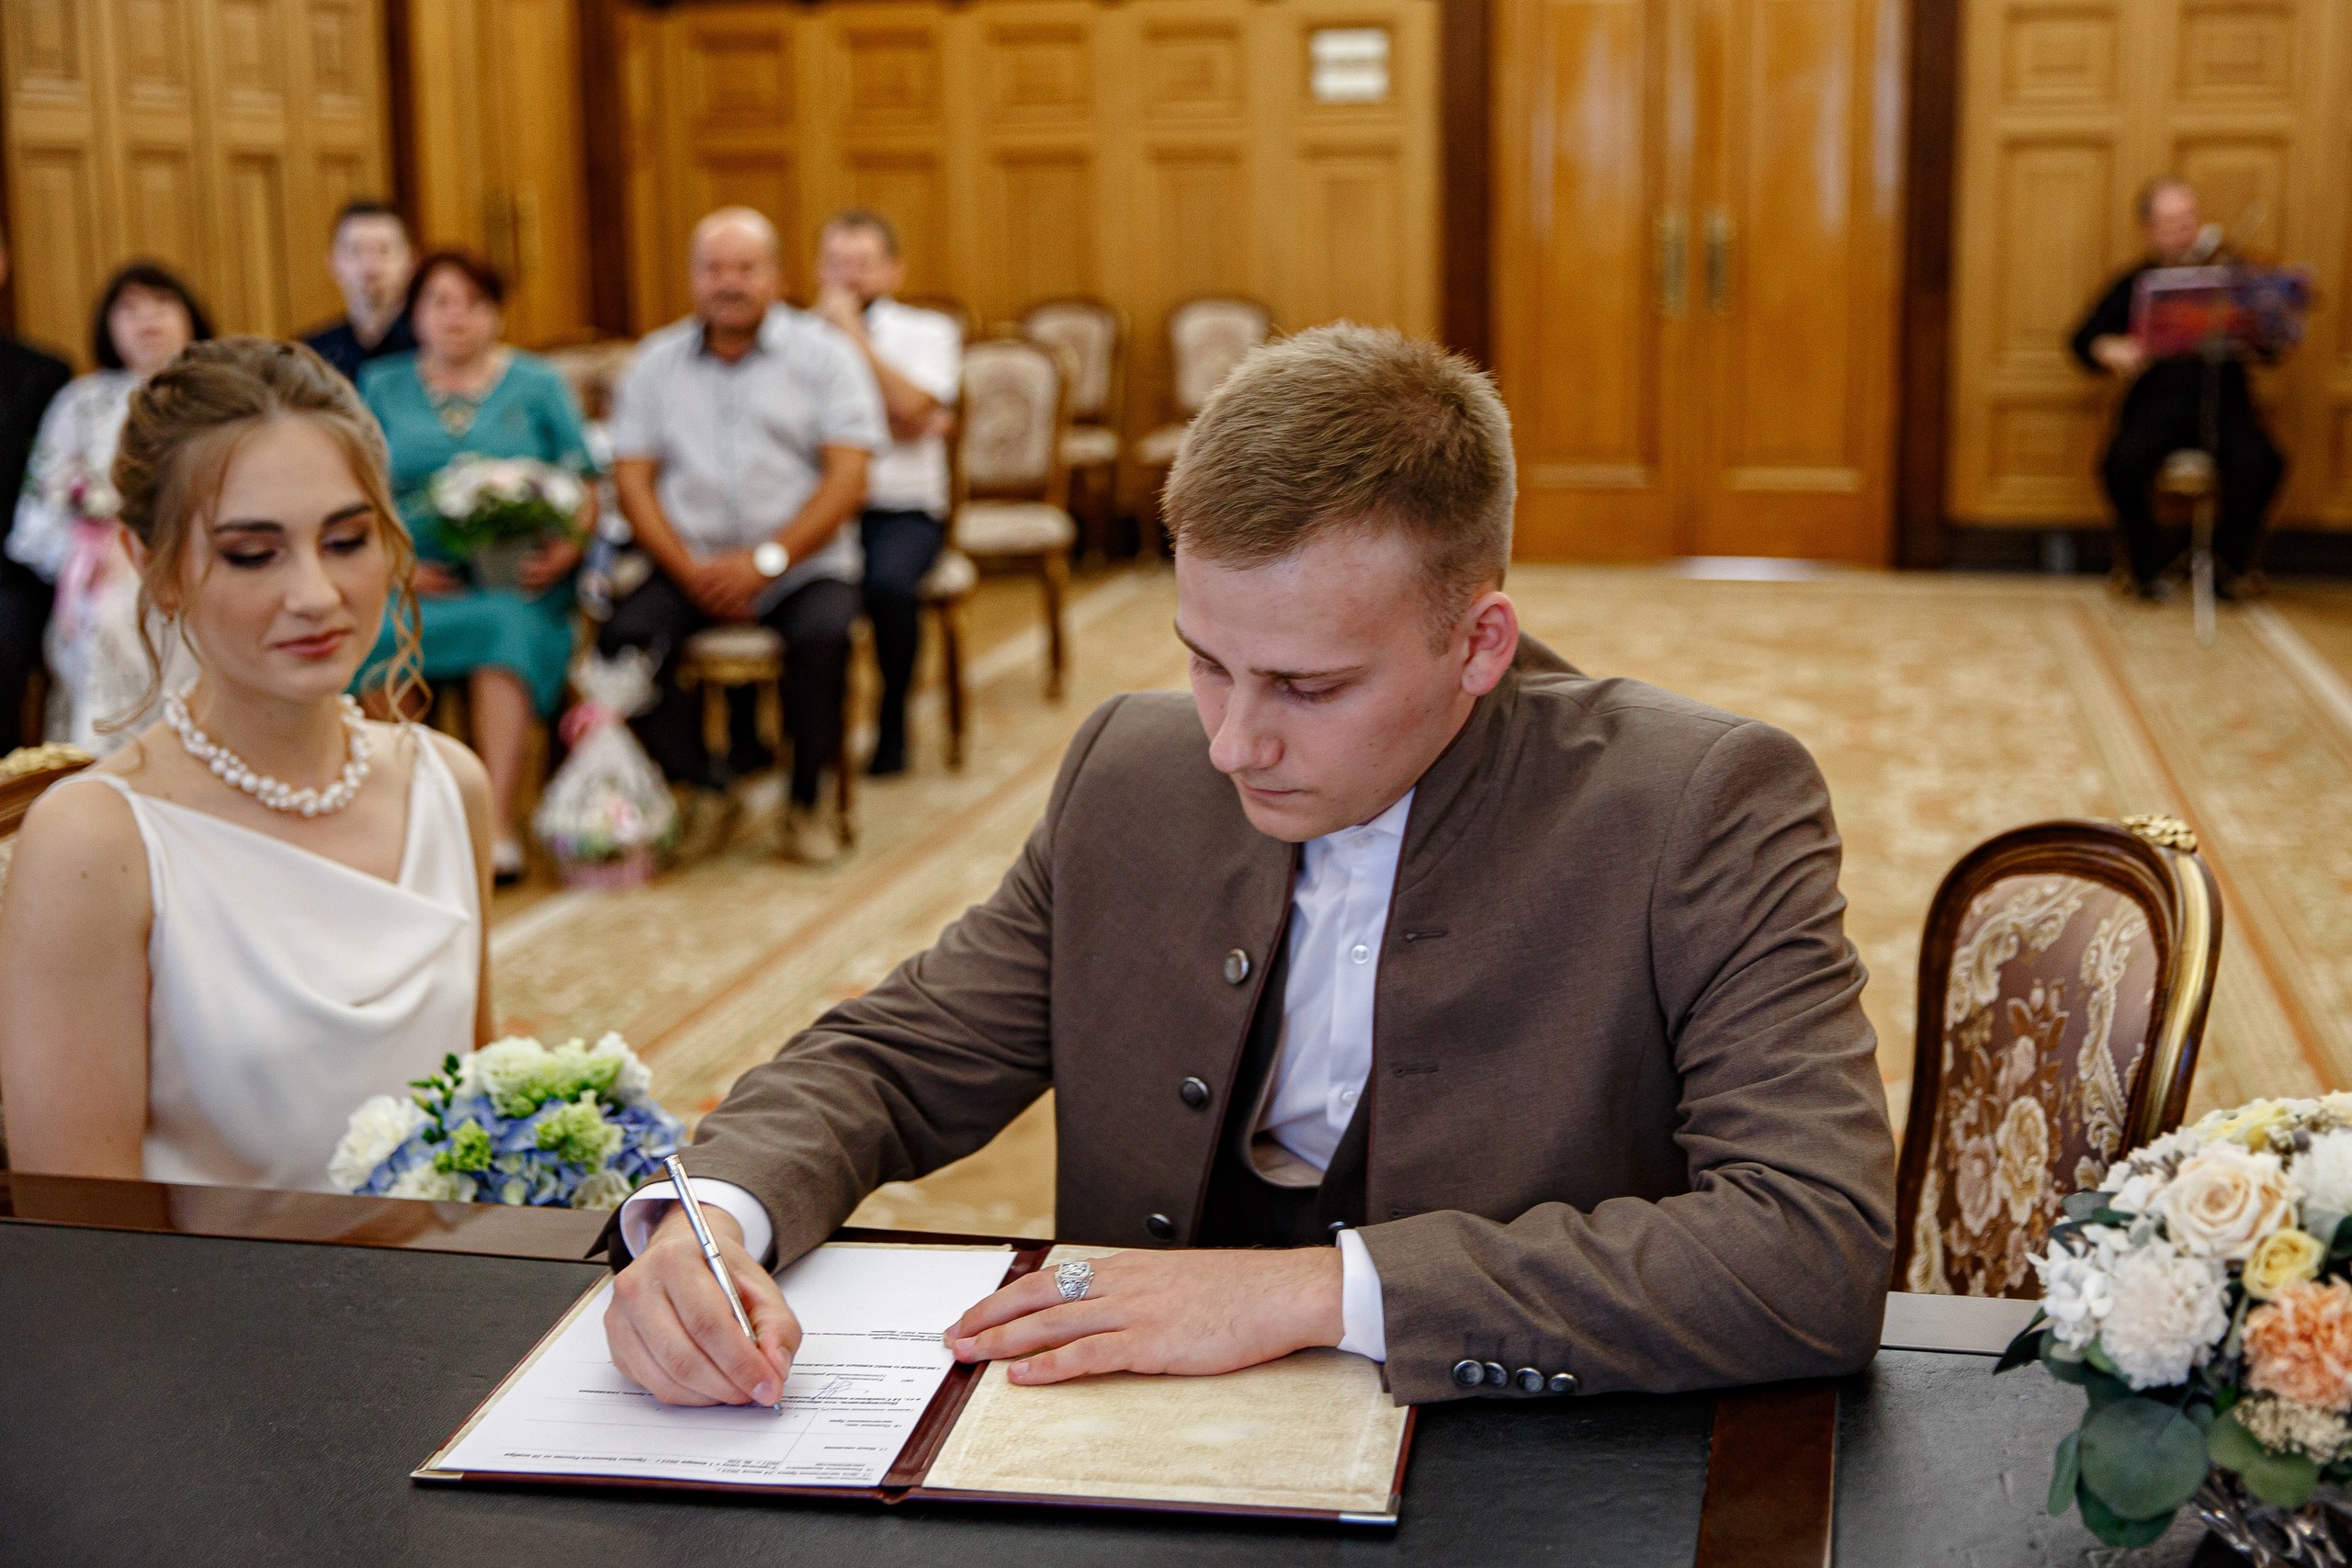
x=464, y=391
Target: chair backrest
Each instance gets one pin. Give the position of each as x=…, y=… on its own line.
x=1016, y=405
x=1206, y=338
x=593, y=370
x=2063, y=982
x=1092, y=334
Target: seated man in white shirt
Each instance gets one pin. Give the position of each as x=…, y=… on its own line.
x=917, y=357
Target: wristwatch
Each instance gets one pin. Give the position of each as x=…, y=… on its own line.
x=769, y=558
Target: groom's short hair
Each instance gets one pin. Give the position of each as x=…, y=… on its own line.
x=1349, y=427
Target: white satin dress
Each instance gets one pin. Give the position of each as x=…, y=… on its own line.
x=285, y=987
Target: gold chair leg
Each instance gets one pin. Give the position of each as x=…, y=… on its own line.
x=769, y=716
x=714, y=722
x=950, y=656
x=1056, y=576
x=845, y=785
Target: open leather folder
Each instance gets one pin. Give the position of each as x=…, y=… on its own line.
x=877, y=1408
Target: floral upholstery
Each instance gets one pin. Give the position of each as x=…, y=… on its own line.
x=1089, y=334
x=1206, y=338
x=2047, y=1014
x=1011, y=391
x=1161, y=447
x=1089, y=447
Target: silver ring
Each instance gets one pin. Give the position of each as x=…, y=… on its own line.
x=1074, y=1279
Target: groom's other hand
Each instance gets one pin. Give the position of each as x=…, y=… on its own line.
x=671, y=1329
x=1191, y=1313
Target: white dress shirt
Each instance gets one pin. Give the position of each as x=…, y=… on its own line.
x=1339, y=913
x=927, y=348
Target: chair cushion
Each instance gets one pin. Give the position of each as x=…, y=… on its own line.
x=1012, y=390
x=2185, y=472
x=2048, y=1001
x=1089, y=333
x=1086, y=446
x=952, y=576
x=732, y=644
x=1014, y=528
x=1163, y=446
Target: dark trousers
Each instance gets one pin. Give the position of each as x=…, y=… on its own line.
x=899, y=548
x=25, y=602
x=2149, y=430
x=814, y=621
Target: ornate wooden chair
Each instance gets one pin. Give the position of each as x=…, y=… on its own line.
x=943, y=592
x=1091, y=334
x=1012, y=483
x=1206, y=338
x=24, y=774
x=2063, y=982
x=721, y=660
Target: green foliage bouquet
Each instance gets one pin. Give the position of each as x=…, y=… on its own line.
x=2201, y=1298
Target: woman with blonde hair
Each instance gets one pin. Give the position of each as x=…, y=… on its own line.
x=265, y=908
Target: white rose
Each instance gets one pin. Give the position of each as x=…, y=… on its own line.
x=433, y=1186
x=377, y=1128
x=2225, y=1200
x=2165, y=1317
x=604, y=1190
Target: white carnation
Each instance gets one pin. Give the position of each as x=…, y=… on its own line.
x=604, y=1190
x=506, y=1066
x=433, y=1186
x=2165, y=1317
x=377, y=1128
x=2324, y=1173
x=633, y=1085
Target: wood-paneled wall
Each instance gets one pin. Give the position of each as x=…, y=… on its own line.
x=2066, y=111
x=1144, y=152
x=216, y=136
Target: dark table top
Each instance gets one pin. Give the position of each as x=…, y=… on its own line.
x=184, y=1400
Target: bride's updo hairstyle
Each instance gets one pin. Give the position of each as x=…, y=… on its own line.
x=186, y=424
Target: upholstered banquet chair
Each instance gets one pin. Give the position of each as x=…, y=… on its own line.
x=1091, y=336
x=1012, y=483
x=24, y=774
x=1206, y=338
x=2063, y=982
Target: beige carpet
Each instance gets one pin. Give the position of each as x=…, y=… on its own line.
x=1942, y=709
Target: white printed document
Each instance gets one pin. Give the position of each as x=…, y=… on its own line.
x=870, y=1360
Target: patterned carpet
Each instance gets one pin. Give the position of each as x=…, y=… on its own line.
x=1942, y=709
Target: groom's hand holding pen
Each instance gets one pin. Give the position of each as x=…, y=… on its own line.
x=672, y=1328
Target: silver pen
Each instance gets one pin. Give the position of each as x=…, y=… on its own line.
x=709, y=1244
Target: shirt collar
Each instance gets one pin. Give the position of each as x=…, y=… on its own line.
x=1389, y=824
x=772, y=329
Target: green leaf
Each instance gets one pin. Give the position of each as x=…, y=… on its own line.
x=2095, y=1354
x=2103, y=1391
x=2141, y=1457
x=2115, y=1217
x=2065, y=1469
x=2065, y=1364
x=2026, y=1346
x=2285, y=1479
x=2115, y=1529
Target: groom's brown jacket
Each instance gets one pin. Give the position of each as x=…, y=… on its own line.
x=1627, y=1120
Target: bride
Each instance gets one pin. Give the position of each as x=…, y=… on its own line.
x=218, y=941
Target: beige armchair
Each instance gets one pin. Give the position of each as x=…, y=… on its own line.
x=1091, y=336
x=1206, y=338
x=1011, y=479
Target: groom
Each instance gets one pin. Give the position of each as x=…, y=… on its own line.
x=1406, y=991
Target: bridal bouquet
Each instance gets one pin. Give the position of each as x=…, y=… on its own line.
x=2202, y=1300
x=514, y=1122
x=495, y=510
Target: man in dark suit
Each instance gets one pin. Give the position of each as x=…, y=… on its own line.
x=1404, y=991
x=370, y=259
x=2161, y=412
x=29, y=379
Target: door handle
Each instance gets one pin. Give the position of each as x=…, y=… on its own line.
x=527, y=233
x=1719, y=238
x=1673, y=261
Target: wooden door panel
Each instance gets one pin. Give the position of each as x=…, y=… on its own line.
x=1796, y=268
x=534, y=127
x=1584, y=335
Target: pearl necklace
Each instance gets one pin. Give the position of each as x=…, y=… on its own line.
x=230, y=769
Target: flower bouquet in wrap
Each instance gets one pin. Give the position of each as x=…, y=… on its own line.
x=606, y=813
x=515, y=1123
x=495, y=513
x=2201, y=1298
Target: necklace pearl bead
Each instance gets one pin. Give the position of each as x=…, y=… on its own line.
x=275, y=794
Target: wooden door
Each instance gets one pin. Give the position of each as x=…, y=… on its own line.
x=1697, y=274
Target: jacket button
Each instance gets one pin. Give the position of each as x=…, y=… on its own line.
x=1162, y=1227
x=1563, y=1382
x=1193, y=1092
x=1528, y=1380
x=1495, y=1376
x=1237, y=967
x=1469, y=1375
